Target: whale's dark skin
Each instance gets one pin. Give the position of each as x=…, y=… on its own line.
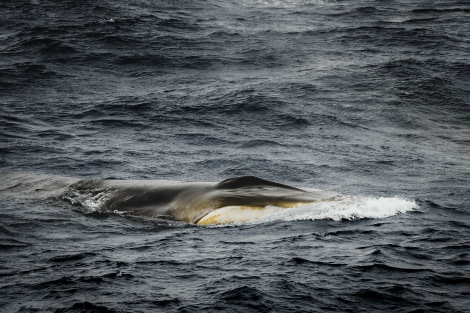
x=189, y=202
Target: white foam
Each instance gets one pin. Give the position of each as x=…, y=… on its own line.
x=345, y=207
x=90, y=201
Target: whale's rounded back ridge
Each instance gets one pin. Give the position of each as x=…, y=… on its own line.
x=250, y=181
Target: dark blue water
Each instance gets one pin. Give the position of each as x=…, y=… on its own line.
x=370, y=99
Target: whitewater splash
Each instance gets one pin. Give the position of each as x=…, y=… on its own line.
x=89, y=201
x=345, y=208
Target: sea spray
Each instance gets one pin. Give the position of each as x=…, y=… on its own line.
x=345, y=207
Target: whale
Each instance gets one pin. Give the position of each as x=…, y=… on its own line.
x=234, y=200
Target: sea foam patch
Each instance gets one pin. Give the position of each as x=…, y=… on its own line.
x=345, y=207
x=90, y=201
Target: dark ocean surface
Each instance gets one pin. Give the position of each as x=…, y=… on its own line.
x=369, y=99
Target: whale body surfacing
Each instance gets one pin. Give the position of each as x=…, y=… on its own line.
x=234, y=200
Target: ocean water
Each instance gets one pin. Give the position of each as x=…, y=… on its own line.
x=369, y=99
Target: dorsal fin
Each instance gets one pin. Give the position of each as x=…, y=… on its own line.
x=250, y=181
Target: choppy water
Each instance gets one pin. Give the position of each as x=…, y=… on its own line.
x=370, y=99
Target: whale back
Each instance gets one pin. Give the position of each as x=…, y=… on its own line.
x=190, y=202
x=250, y=181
